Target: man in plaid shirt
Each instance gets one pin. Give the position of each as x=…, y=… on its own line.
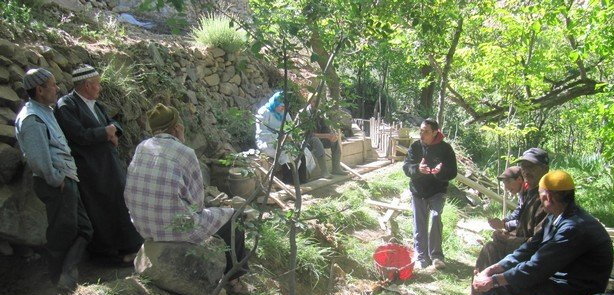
x=165, y=191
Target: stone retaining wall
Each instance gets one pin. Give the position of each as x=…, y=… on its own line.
x=201, y=83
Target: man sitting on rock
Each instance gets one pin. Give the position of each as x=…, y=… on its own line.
x=55, y=178
x=570, y=255
x=529, y=214
x=165, y=192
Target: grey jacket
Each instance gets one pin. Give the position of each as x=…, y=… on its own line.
x=43, y=144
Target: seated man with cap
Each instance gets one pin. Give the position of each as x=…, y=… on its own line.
x=55, y=178
x=165, y=187
x=526, y=219
x=570, y=255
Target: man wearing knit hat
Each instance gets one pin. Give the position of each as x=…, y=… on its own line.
x=571, y=254
x=93, y=139
x=534, y=163
x=165, y=183
x=55, y=178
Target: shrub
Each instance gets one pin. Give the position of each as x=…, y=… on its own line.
x=218, y=31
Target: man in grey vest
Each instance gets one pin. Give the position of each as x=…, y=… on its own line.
x=55, y=178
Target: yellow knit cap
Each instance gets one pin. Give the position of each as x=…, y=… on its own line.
x=557, y=180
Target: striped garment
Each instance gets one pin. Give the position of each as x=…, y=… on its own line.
x=165, y=193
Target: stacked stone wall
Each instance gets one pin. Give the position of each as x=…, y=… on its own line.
x=202, y=83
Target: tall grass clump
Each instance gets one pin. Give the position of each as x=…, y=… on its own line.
x=218, y=31
x=274, y=251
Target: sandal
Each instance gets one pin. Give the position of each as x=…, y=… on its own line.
x=237, y=286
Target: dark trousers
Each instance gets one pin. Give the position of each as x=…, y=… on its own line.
x=225, y=233
x=66, y=220
x=317, y=146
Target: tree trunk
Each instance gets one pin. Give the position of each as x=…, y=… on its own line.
x=332, y=79
x=446, y=70
x=425, y=105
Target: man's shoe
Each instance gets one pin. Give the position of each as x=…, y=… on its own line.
x=340, y=172
x=439, y=264
x=421, y=264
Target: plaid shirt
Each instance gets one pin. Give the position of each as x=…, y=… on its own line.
x=165, y=193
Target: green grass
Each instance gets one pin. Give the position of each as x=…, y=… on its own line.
x=218, y=31
x=274, y=252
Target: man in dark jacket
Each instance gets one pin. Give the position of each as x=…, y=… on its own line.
x=93, y=138
x=526, y=220
x=570, y=255
x=430, y=165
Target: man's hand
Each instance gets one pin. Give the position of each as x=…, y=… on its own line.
x=424, y=169
x=62, y=185
x=437, y=169
x=499, y=235
x=332, y=137
x=114, y=140
x=482, y=283
x=496, y=223
x=111, y=130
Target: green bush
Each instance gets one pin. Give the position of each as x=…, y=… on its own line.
x=15, y=12
x=218, y=31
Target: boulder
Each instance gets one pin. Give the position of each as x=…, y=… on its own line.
x=23, y=219
x=217, y=52
x=228, y=89
x=7, y=115
x=5, y=61
x=7, y=48
x=182, y=267
x=212, y=80
x=16, y=72
x=10, y=162
x=8, y=97
x=7, y=134
x=4, y=75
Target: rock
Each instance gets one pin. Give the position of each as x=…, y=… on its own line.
x=7, y=48
x=192, y=74
x=212, y=80
x=7, y=134
x=112, y=3
x=155, y=54
x=16, y=73
x=229, y=72
x=4, y=75
x=182, y=267
x=217, y=52
x=23, y=219
x=8, y=115
x=228, y=89
x=10, y=162
x=5, y=61
x=21, y=59
x=191, y=97
x=5, y=248
x=236, y=79
x=9, y=98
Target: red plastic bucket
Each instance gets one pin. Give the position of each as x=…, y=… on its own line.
x=394, y=261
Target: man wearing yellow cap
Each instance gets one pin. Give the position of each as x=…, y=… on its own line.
x=165, y=187
x=571, y=254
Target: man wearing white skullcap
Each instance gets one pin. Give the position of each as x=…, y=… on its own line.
x=55, y=178
x=93, y=138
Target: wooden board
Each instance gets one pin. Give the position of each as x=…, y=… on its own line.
x=387, y=205
x=482, y=189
